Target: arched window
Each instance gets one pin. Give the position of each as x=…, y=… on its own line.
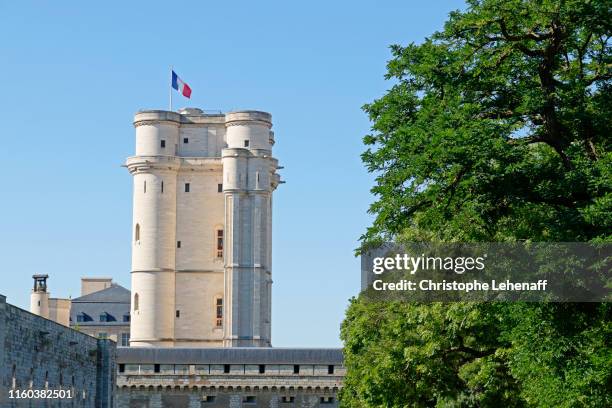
x=137, y=233
x=219, y=311
x=136, y=306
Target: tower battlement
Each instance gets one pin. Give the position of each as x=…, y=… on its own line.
x=196, y=115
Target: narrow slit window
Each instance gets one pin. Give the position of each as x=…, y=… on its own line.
x=219, y=188
x=187, y=187
x=145, y=186
x=137, y=233
x=246, y=143
x=178, y=244
x=178, y=313
x=220, y=243
x=162, y=187
x=163, y=144
x=136, y=301
x=219, y=312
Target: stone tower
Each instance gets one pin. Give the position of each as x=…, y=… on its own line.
x=43, y=305
x=39, y=298
x=201, y=233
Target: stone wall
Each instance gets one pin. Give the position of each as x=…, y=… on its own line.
x=39, y=354
x=225, y=398
x=228, y=377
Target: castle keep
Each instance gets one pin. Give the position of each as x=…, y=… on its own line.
x=201, y=250
x=202, y=271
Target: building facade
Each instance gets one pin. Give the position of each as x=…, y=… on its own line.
x=228, y=377
x=102, y=310
x=202, y=216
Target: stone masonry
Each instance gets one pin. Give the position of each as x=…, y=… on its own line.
x=228, y=377
x=40, y=354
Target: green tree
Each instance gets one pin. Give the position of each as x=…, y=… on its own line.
x=496, y=128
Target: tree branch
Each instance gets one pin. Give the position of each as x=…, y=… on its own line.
x=468, y=350
x=516, y=40
x=496, y=115
x=524, y=140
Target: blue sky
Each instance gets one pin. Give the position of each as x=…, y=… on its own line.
x=74, y=73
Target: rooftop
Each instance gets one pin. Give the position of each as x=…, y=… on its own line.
x=232, y=355
x=113, y=294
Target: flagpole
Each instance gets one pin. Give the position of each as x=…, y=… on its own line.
x=171, y=70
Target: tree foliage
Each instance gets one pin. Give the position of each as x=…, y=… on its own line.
x=496, y=128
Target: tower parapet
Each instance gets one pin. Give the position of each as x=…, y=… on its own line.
x=250, y=129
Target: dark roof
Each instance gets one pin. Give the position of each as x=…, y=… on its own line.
x=114, y=301
x=231, y=355
x=113, y=294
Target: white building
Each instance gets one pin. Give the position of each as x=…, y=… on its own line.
x=202, y=215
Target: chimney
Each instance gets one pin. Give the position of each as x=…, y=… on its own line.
x=91, y=285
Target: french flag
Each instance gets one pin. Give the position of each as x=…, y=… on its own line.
x=180, y=86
